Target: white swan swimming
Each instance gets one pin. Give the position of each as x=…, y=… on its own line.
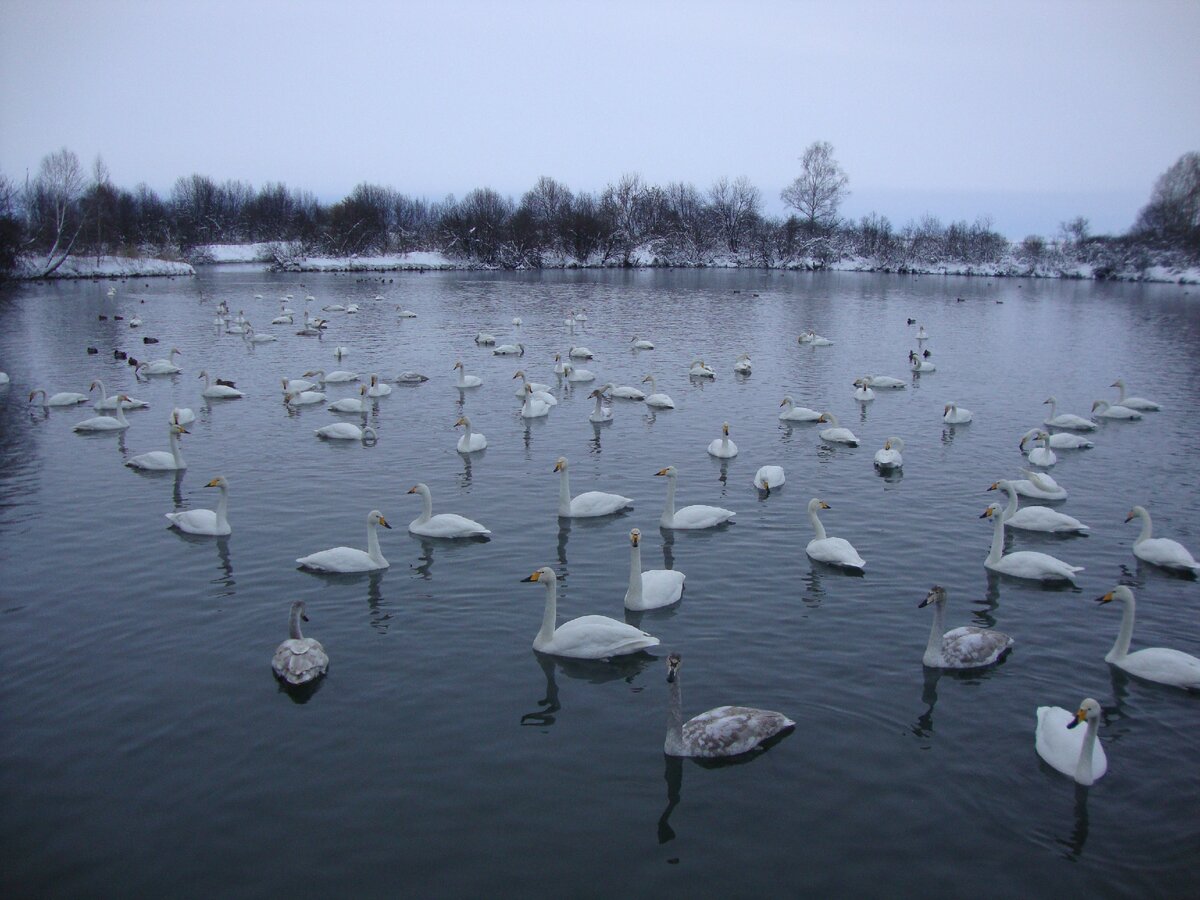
x=4, y=379
x=811, y=337
x=509, y=350
x=890, y=457
x=164, y=366
x=218, y=391
x=1072, y=753
x=1066, y=420
x=466, y=381
x=793, y=413
x=589, y=503
x=298, y=384
x=406, y=314
x=700, y=370
x=206, y=521
x=533, y=407
x=767, y=478
x=654, y=588
x=163, y=460
x=599, y=414
x=691, y=517
x=1036, y=518
x=106, y=402
x=470, y=441
x=63, y=398
x=588, y=637
x=578, y=375
x=538, y=388
x=1160, y=551
x=350, y=404
x=377, y=388
x=183, y=415
x=559, y=366
x=723, y=447
x=443, y=525
x=1102, y=409
x=654, y=398
x=299, y=660
x=1043, y=455
x=256, y=337
x=922, y=334
x=832, y=550
x=106, y=423
x=485, y=339
x=887, y=381
x=743, y=366
x=1063, y=440
x=580, y=353
x=292, y=397
x=337, y=376
x=836, y=434
x=639, y=344
x=346, y=431
x=953, y=414
x=863, y=392
x=350, y=559
x=722, y=731
x=411, y=378
x=625, y=392
x=966, y=647
x=1039, y=486
x=1133, y=402
x=919, y=365
x=1161, y=664
x=1023, y=563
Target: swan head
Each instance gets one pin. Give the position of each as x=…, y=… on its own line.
x=937, y=594
x=992, y=510
x=1135, y=512
x=529, y=388
x=598, y=392
x=828, y=418
x=203, y=374
x=462, y=420
x=1089, y=711
x=1051, y=400
x=545, y=573
x=1118, y=383
x=375, y=517
x=1120, y=592
x=786, y=400
x=298, y=609
x=725, y=429
x=561, y=464
x=816, y=503
x=946, y=409
x=218, y=482
x=520, y=373
x=673, y=662
x=635, y=537
x=647, y=378
x=458, y=365
x=1100, y=405
x=669, y=472
x=419, y=488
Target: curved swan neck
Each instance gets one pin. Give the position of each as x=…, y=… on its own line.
x=674, y=741
x=933, y=650
x=427, y=502
x=1120, y=647
x=175, y=452
x=1147, y=528
x=635, y=572
x=599, y=409
x=997, y=550
x=120, y=413
x=1011, y=509
x=564, y=492
x=653, y=384
x=294, y=626
x=1083, y=770
x=550, y=613
x=816, y=524
x=1120, y=392
x=223, y=508
x=373, y=550
x=668, y=516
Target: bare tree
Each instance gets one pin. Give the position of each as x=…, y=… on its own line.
x=1172, y=217
x=735, y=207
x=819, y=189
x=54, y=198
x=1075, y=231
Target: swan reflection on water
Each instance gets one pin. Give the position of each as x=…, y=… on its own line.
x=377, y=610
x=1077, y=840
x=593, y=671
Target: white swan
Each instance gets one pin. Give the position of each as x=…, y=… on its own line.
x=625, y=392
x=960, y=648
x=599, y=414
x=863, y=392
x=1039, y=486
x=350, y=559
x=406, y=314
x=654, y=588
x=165, y=366
x=922, y=334
x=743, y=366
x=378, y=388
x=560, y=367
x=723, y=447
x=578, y=375
x=769, y=477
x=691, y=517
x=509, y=350
x=654, y=398
x=465, y=380
x=588, y=637
x=350, y=404
x=1133, y=402
x=346, y=431
x=1023, y=563
x=580, y=353
x=183, y=415
x=206, y=521
x=162, y=460
x=1063, y=440
x=832, y=550
x=485, y=339
x=292, y=397
x=953, y=414
x=1102, y=409
x=533, y=407
x=299, y=660
x=1161, y=664
x=1066, y=420
x=470, y=440
x=587, y=504
x=284, y=319
x=1160, y=551
x=106, y=423
x=255, y=337
x=818, y=341
x=1036, y=518
x=443, y=525
x=106, y=402
x=890, y=457
x=298, y=384
x=1043, y=455
x=640, y=344
x=4, y=379
x=793, y=413
x=63, y=398
x=1070, y=752
x=218, y=391
x=805, y=337
x=722, y=731
x=836, y=434
x=919, y=365
x=337, y=376
x=887, y=381
x=538, y=388
x=700, y=370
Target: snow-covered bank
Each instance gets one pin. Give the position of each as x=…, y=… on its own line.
x=104, y=267
x=1013, y=268
x=262, y=252
x=392, y=262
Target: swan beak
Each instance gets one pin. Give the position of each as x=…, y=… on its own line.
x=1129, y=518
x=924, y=603
x=383, y=522
x=182, y=430
x=558, y=467
x=213, y=483
x=995, y=486
x=987, y=512
x=534, y=577
x=661, y=472
x=635, y=539
x=459, y=422
x=1107, y=598
x=412, y=490
x=1080, y=716
x=782, y=403
x=304, y=616
x=825, y=505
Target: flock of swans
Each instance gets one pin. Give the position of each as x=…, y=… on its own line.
x=727, y=730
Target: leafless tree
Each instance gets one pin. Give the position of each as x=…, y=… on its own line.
x=735, y=206
x=55, y=198
x=1172, y=217
x=819, y=189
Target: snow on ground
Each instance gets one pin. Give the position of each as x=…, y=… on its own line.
x=262, y=252
x=105, y=267
x=429, y=259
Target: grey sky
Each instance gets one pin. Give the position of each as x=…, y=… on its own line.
x=1031, y=112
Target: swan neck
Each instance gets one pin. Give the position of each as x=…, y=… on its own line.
x=1120, y=647
x=223, y=509
x=549, y=614
x=674, y=741
x=997, y=550
x=564, y=493
x=373, y=550
x=121, y=413
x=175, y=452
x=598, y=409
x=1147, y=528
x=937, y=630
x=1083, y=771
x=816, y=524
x=294, y=626
x=426, y=505
x=1120, y=393
x=635, y=573
x=668, y=516
x=1011, y=509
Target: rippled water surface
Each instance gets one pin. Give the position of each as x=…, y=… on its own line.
x=146, y=745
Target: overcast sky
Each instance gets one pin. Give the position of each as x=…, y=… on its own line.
x=1030, y=112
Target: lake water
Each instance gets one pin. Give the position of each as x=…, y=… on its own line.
x=147, y=750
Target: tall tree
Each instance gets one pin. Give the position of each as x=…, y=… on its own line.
x=55, y=204
x=1172, y=217
x=819, y=189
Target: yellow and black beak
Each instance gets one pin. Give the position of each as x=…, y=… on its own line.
x=661, y=472
x=384, y=522
x=1107, y=598
x=1130, y=517
x=1080, y=716
x=534, y=577
x=986, y=513
x=412, y=490
x=995, y=486
x=214, y=483
x=558, y=467
x=825, y=505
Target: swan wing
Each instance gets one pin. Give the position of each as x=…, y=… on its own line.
x=700, y=516
x=340, y=559
x=1041, y=566
x=448, y=525
x=1167, y=553
x=197, y=521
x=968, y=647
x=596, y=637
x=1164, y=665
x=1060, y=746
x=300, y=661
x=661, y=587
x=1042, y=518
x=598, y=503
x=155, y=460
x=731, y=730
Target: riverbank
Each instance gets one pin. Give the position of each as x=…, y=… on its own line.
x=31, y=268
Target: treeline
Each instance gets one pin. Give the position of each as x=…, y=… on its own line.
x=65, y=210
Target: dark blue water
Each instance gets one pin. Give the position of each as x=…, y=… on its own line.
x=145, y=743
